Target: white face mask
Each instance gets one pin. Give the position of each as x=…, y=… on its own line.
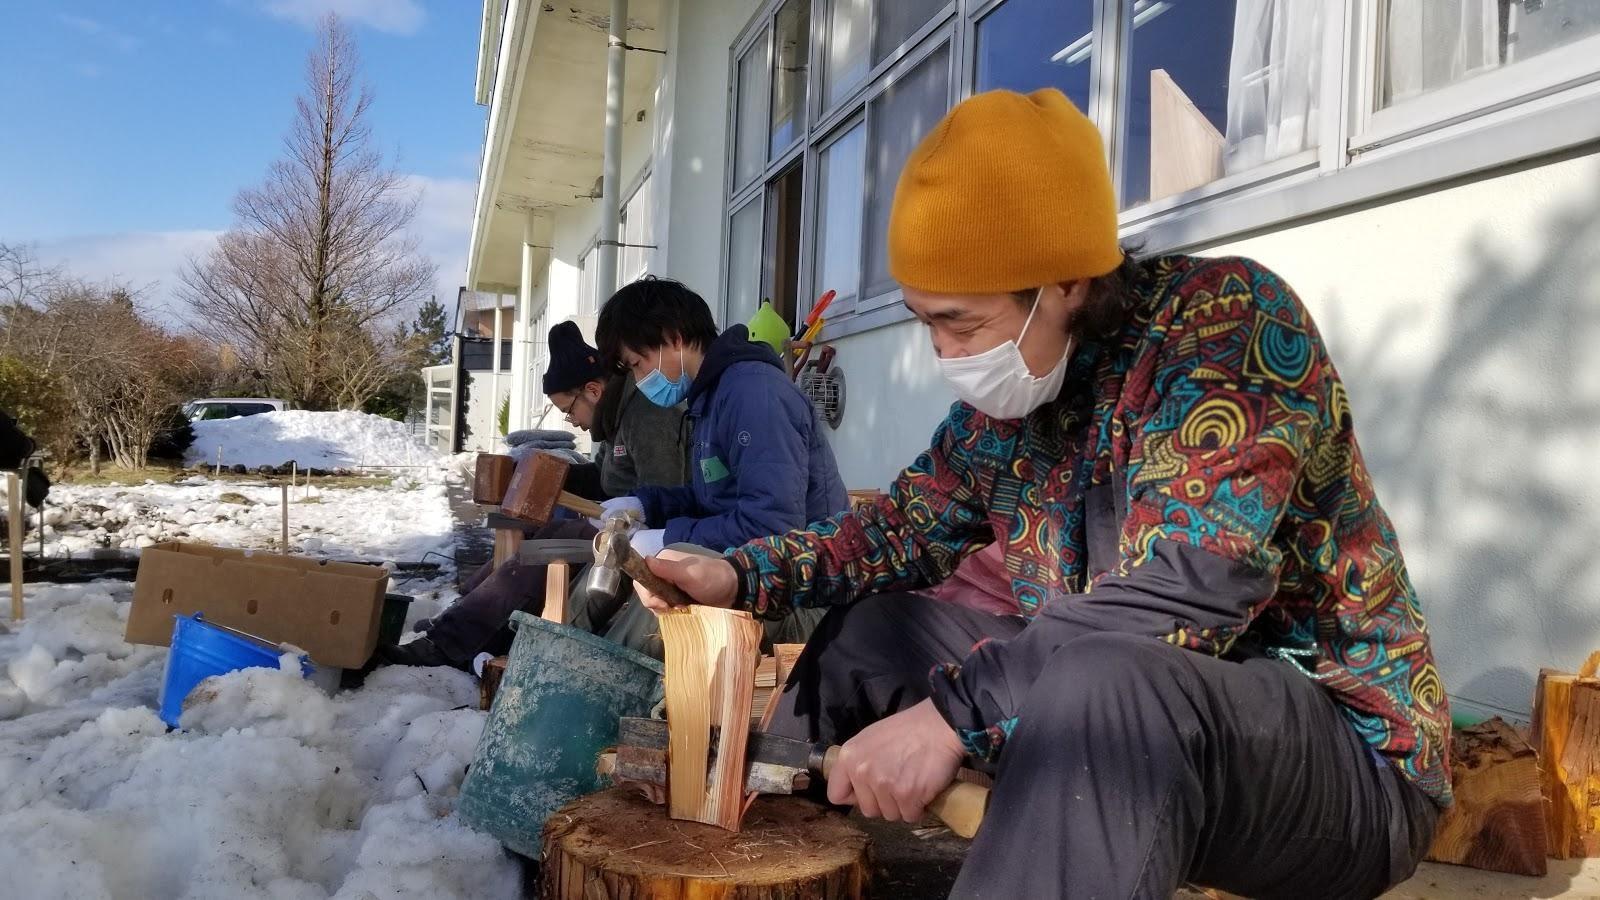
x=997, y=382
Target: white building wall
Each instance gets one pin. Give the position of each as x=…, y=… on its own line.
x=693, y=150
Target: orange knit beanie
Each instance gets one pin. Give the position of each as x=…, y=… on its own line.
x=1008, y=192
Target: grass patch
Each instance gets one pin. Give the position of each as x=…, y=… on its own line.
x=167, y=473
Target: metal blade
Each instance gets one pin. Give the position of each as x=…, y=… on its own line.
x=761, y=748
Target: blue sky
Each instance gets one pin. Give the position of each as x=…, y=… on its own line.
x=127, y=127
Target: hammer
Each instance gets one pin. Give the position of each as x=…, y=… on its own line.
x=535, y=491
x=614, y=555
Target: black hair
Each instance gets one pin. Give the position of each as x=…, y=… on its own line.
x=1110, y=299
x=648, y=314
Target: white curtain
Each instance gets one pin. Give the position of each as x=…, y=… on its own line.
x=1274, y=77
x=1429, y=44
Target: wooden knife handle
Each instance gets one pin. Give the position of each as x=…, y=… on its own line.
x=960, y=806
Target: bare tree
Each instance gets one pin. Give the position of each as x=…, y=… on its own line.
x=24, y=280
x=320, y=250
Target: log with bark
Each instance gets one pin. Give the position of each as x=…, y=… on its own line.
x=615, y=844
x=1497, y=822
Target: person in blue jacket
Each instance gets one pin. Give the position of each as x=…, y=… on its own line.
x=759, y=464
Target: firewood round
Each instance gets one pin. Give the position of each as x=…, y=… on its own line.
x=616, y=845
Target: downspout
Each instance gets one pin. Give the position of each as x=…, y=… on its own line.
x=611, y=173
x=494, y=382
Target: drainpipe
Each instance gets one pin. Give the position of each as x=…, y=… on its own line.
x=494, y=382
x=611, y=174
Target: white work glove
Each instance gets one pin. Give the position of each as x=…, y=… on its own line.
x=623, y=507
x=648, y=542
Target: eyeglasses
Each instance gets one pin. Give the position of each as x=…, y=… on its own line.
x=567, y=413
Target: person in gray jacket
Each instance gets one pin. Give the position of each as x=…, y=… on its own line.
x=638, y=443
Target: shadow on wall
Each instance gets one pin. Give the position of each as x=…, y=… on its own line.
x=1491, y=450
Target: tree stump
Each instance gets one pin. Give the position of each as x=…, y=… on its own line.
x=1497, y=822
x=615, y=845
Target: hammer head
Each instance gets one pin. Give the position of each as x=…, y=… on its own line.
x=535, y=487
x=605, y=576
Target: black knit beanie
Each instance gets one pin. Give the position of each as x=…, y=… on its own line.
x=573, y=363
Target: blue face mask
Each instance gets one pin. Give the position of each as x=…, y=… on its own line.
x=658, y=390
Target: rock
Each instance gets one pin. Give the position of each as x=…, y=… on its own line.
x=235, y=497
x=240, y=469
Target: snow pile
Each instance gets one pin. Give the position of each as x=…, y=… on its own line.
x=402, y=521
x=321, y=440
x=273, y=790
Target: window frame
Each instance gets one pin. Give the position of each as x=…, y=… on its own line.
x=1363, y=155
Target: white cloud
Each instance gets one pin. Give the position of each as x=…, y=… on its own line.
x=148, y=261
x=444, y=226
x=393, y=16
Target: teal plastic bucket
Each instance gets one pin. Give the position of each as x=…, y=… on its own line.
x=556, y=710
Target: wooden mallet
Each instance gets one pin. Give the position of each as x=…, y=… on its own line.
x=536, y=489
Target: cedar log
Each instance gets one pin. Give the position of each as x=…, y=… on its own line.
x=1566, y=728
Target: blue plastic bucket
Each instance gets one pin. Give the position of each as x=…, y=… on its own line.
x=557, y=708
x=200, y=650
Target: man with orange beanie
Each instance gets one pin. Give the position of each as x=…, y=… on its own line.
x=1221, y=674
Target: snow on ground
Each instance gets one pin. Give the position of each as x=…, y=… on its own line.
x=322, y=440
x=400, y=521
x=271, y=790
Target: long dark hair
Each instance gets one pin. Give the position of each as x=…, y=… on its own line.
x=1110, y=300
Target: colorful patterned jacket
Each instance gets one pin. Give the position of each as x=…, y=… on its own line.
x=1197, y=480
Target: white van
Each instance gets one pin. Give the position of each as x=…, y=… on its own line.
x=229, y=407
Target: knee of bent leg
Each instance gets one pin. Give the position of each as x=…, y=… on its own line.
x=1118, y=668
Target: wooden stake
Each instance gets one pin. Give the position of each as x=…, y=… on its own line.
x=14, y=532
x=557, y=577
x=218, y=471
x=285, y=505
x=1497, y=822
x=710, y=676
x=294, y=474
x=1566, y=729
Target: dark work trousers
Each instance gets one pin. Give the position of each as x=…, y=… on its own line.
x=1135, y=766
x=477, y=621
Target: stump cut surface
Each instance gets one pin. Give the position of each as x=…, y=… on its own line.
x=615, y=845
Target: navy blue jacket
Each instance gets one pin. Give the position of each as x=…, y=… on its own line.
x=758, y=461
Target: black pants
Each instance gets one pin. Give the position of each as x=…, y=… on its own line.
x=1136, y=766
x=478, y=620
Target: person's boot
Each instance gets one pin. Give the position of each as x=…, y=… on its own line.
x=420, y=652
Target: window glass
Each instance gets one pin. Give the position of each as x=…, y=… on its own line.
x=1428, y=45
x=897, y=119
x=792, y=49
x=839, y=198
x=1194, y=117
x=634, y=260
x=744, y=263
x=1025, y=45
x=749, y=151
x=849, y=24
x=898, y=20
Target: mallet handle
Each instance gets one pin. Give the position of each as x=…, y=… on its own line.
x=586, y=508
x=634, y=565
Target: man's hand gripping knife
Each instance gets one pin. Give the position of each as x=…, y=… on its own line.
x=895, y=767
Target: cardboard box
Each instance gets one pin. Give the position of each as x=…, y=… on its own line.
x=328, y=609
